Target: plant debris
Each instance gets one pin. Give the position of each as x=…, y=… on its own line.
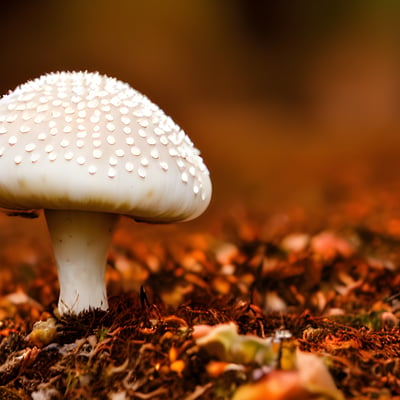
x=279, y=307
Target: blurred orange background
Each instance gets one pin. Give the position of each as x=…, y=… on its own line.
x=284, y=99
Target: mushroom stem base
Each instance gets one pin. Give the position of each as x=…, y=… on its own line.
x=81, y=241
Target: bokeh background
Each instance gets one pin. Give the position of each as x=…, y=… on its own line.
x=290, y=102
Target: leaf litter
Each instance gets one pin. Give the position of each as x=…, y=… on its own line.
x=311, y=311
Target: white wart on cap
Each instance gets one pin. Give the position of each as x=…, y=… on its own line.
x=89, y=147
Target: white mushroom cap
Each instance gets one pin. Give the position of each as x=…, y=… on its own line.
x=84, y=141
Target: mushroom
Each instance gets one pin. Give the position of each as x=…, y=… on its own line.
x=87, y=148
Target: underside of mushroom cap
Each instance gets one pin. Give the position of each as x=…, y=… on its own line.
x=84, y=141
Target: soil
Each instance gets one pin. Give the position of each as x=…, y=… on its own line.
x=324, y=282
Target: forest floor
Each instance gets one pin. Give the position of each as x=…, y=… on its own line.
x=294, y=304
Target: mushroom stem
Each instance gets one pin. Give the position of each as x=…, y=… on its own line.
x=81, y=241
